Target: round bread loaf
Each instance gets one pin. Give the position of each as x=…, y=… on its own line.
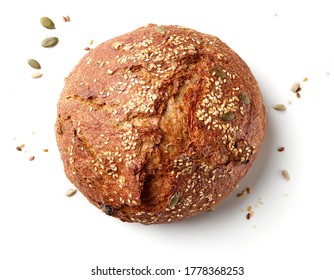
x=159, y=124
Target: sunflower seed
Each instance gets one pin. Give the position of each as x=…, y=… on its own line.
x=285, y=175
x=241, y=194
x=173, y=201
x=70, y=192
x=34, y=64
x=47, y=23
x=279, y=107
x=295, y=87
x=50, y=42
x=36, y=75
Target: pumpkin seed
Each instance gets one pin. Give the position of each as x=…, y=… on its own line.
x=279, y=107
x=47, y=23
x=34, y=64
x=70, y=192
x=160, y=29
x=226, y=117
x=50, y=42
x=219, y=73
x=173, y=201
x=244, y=97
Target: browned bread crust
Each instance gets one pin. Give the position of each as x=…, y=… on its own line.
x=159, y=124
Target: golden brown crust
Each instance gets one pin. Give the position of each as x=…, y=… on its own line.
x=159, y=124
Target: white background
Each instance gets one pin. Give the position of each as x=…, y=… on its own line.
x=46, y=235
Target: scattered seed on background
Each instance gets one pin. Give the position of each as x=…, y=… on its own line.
x=66, y=19
x=50, y=42
x=71, y=192
x=279, y=107
x=34, y=64
x=295, y=87
x=36, y=75
x=47, y=23
x=286, y=174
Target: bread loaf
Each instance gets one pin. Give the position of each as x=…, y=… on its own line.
x=159, y=124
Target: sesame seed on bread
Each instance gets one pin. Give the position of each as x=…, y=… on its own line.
x=159, y=124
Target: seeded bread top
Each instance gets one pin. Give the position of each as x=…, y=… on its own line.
x=159, y=124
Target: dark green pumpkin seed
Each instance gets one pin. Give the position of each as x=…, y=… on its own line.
x=34, y=64
x=219, y=73
x=244, y=97
x=50, y=42
x=173, y=201
x=226, y=117
x=47, y=23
